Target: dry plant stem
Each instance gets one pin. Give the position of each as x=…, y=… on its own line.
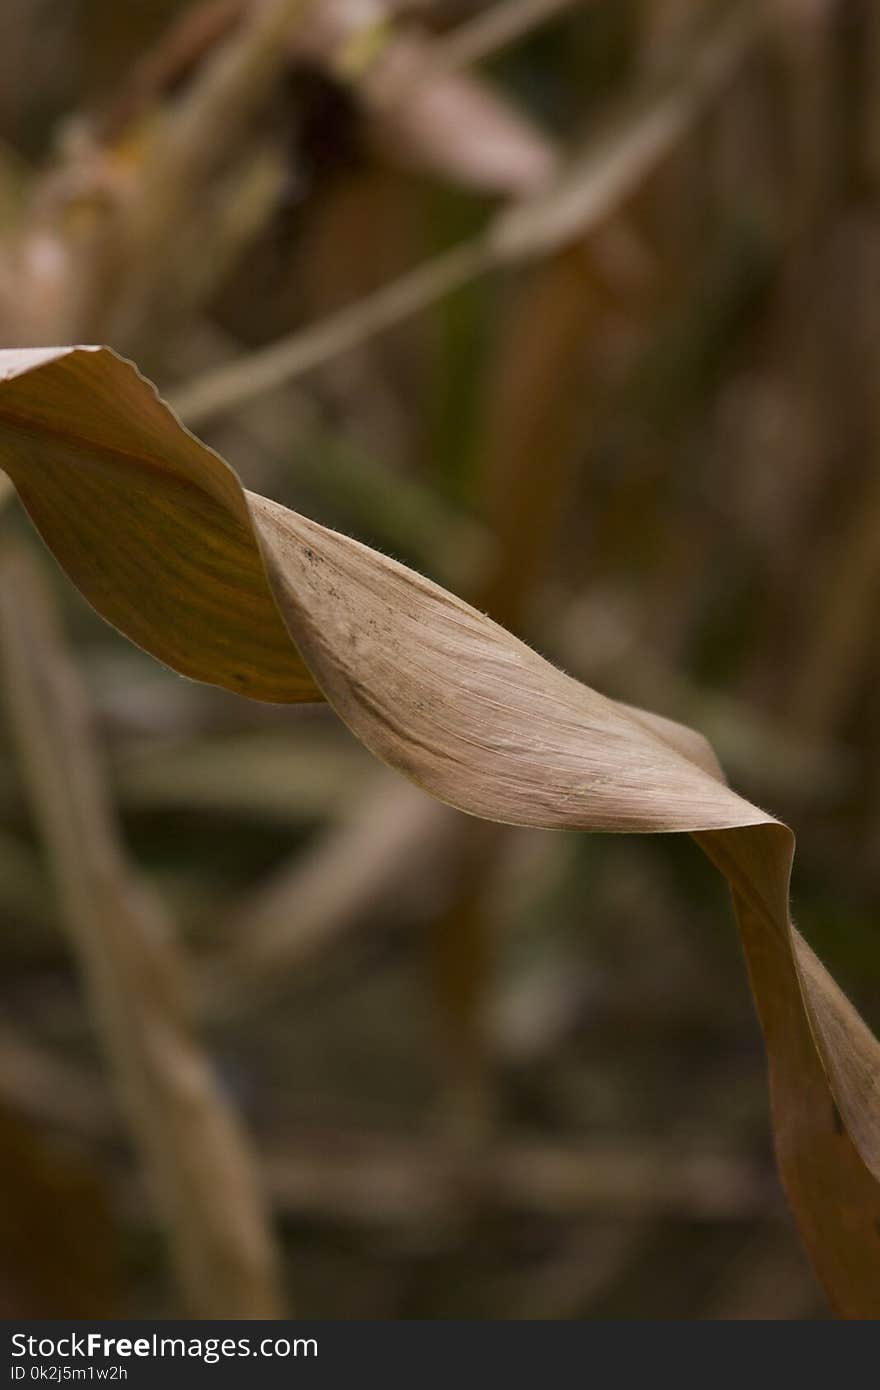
x=804, y=41
x=533, y=407
x=531, y=410
x=838, y=648
x=665, y=29
x=374, y=865
x=224, y=388
x=837, y=642
x=593, y=186
x=492, y=30
x=198, y=1161
x=50, y=1092
x=177, y=53
x=871, y=138
x=459, y=969
x=379, y=1180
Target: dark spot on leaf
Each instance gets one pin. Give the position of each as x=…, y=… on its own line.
x=836, y=1121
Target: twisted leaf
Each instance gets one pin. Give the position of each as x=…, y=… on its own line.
x=228, y=587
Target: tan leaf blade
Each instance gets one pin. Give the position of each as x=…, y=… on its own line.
x=452, y=124
x=231, y=588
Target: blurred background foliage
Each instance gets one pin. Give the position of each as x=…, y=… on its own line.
x=484, y=1072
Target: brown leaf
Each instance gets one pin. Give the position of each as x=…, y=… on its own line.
x=158, y=534
x=451, y=124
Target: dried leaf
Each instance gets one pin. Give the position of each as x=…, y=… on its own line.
x=421, y=110
x=231, y=588
x=424, y=117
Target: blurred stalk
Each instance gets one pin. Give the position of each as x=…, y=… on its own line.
x=197, y=1158
x=667, y=29
x=805, y=38
x=871, y=137
x=532, y=407
x=843, y=360
x=387, y=1180
x=386, y=861
x=492, y=29
x=51, y=1093
x=838, y=644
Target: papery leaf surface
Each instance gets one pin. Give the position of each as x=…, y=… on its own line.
x=231, y=588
